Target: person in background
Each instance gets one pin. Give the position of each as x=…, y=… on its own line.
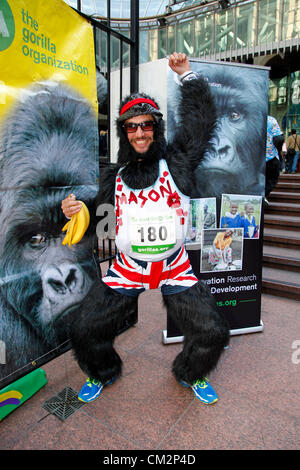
x=293, y=147
x=284, y=166
x=275, y=141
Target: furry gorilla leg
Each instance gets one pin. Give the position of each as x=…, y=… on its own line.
x=205, y=331
x=93, y=332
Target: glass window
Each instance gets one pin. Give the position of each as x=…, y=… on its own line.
x=115, y=53
x=72, y=3
x=171, y=39
x=126, y=50
x=245, y=25
x=268, y=21
x=143, y=39
x=97, y=48
x=284, y=102
x=291, y=19
x=103, y=50
x=100, y=7
x=204, y=35
x=162, y=39
x=293, y=118
x=87, y=6
x=153, y=44
x=224, y=30
x=185, y=38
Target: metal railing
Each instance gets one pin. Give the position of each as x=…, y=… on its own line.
x=106, y=247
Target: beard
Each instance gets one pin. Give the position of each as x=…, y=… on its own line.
x=141, y=144
x=141, y=169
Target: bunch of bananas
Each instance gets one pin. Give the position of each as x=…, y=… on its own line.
x=77, y=226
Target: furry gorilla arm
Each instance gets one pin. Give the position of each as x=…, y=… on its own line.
x=197, y=119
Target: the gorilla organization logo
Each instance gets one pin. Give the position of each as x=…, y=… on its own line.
x=7, y=26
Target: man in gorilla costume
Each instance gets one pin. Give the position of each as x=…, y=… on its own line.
x=150, y=189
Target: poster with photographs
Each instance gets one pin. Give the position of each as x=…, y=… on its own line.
x=227, y=257
x=229, y=187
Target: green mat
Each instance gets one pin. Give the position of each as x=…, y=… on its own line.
x=15, y=394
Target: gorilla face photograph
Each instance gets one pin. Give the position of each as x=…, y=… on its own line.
x=235, y=159
x=48, y=149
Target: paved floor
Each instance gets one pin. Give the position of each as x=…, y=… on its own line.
x=257, y=379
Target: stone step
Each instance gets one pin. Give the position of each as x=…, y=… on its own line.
x=289, y=178
x=281, y=258
x=283, y=208
x=287, y=238
x=284, y=197
x=287, y=222
x=288, y=187
x=281, y=283
x=281, y=249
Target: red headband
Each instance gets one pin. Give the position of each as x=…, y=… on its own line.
x=136, y=101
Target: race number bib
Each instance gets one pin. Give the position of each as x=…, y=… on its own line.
x=152, y=233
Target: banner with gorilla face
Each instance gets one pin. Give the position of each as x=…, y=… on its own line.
x=48, y=149
x=225, y=235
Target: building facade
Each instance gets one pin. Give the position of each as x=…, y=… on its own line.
x=259, y=32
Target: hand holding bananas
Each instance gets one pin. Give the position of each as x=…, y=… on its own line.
x=80, y=219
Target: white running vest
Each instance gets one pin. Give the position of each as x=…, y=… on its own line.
x=151, y=223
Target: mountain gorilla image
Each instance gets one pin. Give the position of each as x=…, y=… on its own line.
x=235, y=160
x=48, y=149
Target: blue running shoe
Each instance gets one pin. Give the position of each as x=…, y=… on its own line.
x=92, y=389
x=203, y=391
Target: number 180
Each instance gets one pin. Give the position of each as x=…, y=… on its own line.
x=153, y=234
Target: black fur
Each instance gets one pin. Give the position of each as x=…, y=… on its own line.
x=98, y=322
x=206, y=331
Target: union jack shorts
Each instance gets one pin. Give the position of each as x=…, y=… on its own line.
x=132, y=277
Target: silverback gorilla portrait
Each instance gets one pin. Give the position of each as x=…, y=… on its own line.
x=235, y=161
x=48, y=148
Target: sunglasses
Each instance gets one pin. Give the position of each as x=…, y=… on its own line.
x=146, y=126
